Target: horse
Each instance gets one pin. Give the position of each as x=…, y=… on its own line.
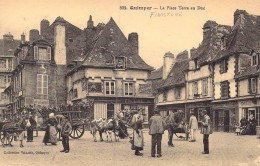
x=102, y=125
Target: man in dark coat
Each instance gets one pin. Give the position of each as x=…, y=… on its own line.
x=206, y=130
x=156, y=129
x=173, y=120
x=30, y=126
x=65, y=131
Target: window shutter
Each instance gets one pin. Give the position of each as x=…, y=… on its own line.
x=36, y=52
x=249, y=90
x=49, y=53
x=221, y=68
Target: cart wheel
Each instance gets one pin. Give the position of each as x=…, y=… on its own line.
x=77, y=131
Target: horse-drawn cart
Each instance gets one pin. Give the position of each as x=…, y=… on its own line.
x=8, y=130
x=76, y=120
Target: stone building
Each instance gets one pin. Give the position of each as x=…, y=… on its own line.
x=7, y=48
x=42, y=63
x=112, y=74
x=222, y=75
x=172, y=89
x=199, y=76
x=236, y=72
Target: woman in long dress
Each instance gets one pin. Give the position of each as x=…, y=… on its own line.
x=51, y=132
x=138, y=138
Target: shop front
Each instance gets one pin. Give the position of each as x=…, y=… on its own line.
x=225, y=115
x=250, y=107
x=108, y=107
x=164, y=109
x=197, y=108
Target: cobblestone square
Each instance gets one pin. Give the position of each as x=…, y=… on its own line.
x=226, y=149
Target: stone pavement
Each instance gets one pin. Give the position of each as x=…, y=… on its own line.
x=226, y=149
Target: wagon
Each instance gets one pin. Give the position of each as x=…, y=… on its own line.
x=8, y=131
x=76, y=121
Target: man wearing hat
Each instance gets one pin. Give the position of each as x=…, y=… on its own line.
x=206, y=130
x=156, y=130
x=65, y=131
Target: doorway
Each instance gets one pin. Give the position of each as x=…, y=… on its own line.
x=226, y=121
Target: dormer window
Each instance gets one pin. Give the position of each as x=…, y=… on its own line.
x=42, y=53
x=223, y=66
x=255, y=59
x=223, y=43
x=196, y=63
x=120, y=62
x=70, y=40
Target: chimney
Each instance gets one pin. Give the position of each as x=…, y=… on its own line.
x=44, y=26
x=34, y=35
x=59, y=40
x=90, y=23
x=8, y=36
x=207, y=30
x=237, y=14
x=133, y=39
x=22, y=38
x=168, y=60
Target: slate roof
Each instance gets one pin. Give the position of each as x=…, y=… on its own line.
x=244, y=36
x=110, y=43
x=156, y=74
x=211, y=43
x=8, y=46
x=73, y=47
x=177, y=74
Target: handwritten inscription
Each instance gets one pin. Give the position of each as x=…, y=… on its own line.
x=163, y=11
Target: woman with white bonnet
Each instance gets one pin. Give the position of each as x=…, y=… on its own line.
x=51, y=132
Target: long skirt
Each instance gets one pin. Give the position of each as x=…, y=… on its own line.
x=50, y=135
x=138, y=140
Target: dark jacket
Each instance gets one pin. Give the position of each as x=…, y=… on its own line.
x=206, y=125
x=156, y=125
x=66, y=129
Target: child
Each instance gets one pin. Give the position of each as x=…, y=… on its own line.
x=237, y=129
x=65, y=131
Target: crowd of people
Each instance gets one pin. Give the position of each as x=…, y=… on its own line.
x=157, y=126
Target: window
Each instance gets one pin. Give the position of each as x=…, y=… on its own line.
x=110, y=88
x=196, y=63
x=165, y=96
x=120, y=62
x=224, y=89
x=177, y=93
x=2, y=81
x=204, y=86
x=41, y=53
x=254, y=59
x=75, y=93
x=223, y=66
x=9, y=78
x=2, y=63
x=129, y=88
x=195, y=89
x=10, y=64
x=42, y=84
x=252, y=85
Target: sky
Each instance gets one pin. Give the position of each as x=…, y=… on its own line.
x=160, y=30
